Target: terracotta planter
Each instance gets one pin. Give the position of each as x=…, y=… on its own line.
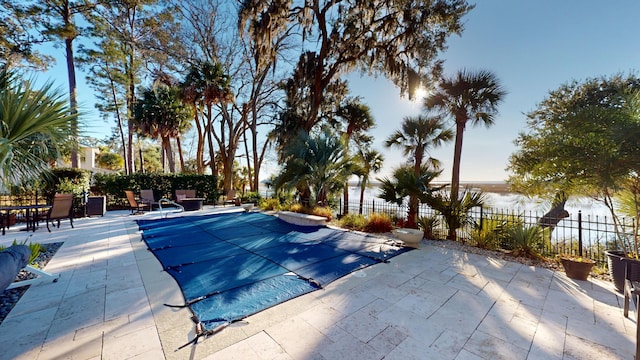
x=577, y=270
x=617, y=262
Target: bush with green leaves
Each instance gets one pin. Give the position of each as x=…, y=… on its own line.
x=429, y=225
x=269, y=204
x=353, y=221
x=163, y=185
x=527, y=240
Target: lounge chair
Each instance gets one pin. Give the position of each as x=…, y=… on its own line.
x=147, y=197
x=135, y=206
x=62, y=208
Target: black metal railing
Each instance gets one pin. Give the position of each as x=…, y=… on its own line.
x=579, y=234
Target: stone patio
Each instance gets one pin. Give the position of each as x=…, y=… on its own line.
x=430, y=303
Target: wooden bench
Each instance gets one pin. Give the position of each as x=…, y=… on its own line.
x=302, y=219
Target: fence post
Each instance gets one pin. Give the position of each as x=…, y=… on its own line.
x=373, y=206
x=340, y=209
x=580, y=232
x=481, y=217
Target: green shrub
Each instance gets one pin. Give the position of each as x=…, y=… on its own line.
x=429, y=224
x=378, y=223
x=353, y=222
x=527, y=240
x=269, y=204
x=250, y=197
x=163, y=185
x=323, y=211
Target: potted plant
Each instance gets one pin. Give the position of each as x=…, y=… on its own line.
x=576, y=267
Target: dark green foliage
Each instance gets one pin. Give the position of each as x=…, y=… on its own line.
x=455, y=211
x=163, y=185
x=69, y=181
x=250, y=197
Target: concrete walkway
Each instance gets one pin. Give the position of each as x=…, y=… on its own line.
x=431, y=303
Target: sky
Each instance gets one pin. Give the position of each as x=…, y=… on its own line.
x=533, y=47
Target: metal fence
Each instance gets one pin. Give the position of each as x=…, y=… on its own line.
x=578, y=233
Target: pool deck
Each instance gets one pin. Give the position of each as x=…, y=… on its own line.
x=430, y=303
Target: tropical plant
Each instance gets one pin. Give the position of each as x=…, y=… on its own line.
x=455, y=211
x=406, y=183
x=493, y=233
x=358, y=120
x=428, y=224
x=205, y=85
x=467, y=96
x=35, y=123
x=369, y=160
x=161, y=113
x=526, y=240
x=417, y=135
x=316, y=165
x=353, y=222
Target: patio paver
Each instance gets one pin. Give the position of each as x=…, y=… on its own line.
x=432, y=303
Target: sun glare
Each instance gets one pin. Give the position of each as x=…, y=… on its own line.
x=420, y=94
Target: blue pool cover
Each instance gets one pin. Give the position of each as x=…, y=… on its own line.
x=232, y=265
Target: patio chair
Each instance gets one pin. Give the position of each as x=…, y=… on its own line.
x=62, y=208
x=230, y=198
x=135, y=206
x=147, y=197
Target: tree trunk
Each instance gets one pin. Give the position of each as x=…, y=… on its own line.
x=200, y=144
x=73, y=102
x=457, y=155
x=181, y=157
x=166, y=145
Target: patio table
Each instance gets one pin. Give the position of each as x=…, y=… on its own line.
x=32, y=221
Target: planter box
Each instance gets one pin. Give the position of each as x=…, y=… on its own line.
x=617, y=264
x=578, y=270
x=96, y=205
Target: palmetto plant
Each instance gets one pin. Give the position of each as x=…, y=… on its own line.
x=454, y=210
x=407, y=184
x=34, y=124
x=315, y=163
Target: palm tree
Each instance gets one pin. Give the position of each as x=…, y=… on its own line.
x=370, y=161
x=161, y=113
x=418, y=134
x=35, y=124
x=206, y=84
x=466, y=96
x=407, y=183
x=315, y=165
x=358, y=119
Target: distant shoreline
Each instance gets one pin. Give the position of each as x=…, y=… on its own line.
x=498, y=187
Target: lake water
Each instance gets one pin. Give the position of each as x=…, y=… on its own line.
x=509, y=202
